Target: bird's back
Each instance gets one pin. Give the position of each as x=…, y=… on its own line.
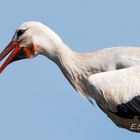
x=112, y=58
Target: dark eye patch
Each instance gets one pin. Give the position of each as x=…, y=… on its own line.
x=20, y=32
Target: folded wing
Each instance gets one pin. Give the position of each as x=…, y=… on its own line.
x=118, y=94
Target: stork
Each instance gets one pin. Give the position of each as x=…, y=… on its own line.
x=110, y=76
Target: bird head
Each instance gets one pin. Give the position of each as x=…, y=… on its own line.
x=29, y=40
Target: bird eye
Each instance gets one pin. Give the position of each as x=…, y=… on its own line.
x=20, y=32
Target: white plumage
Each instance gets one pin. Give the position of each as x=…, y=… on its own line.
x=110, y=76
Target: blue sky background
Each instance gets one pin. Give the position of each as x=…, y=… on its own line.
x=36, y=101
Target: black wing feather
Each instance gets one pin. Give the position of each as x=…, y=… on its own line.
x=129, y=109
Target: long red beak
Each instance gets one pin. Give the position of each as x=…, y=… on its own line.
x=12, y=46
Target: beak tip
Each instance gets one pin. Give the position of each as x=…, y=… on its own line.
x=0, y=70
x=14, y=47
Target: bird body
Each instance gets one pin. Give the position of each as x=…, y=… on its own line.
x=78, y=67
x=110, y=76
